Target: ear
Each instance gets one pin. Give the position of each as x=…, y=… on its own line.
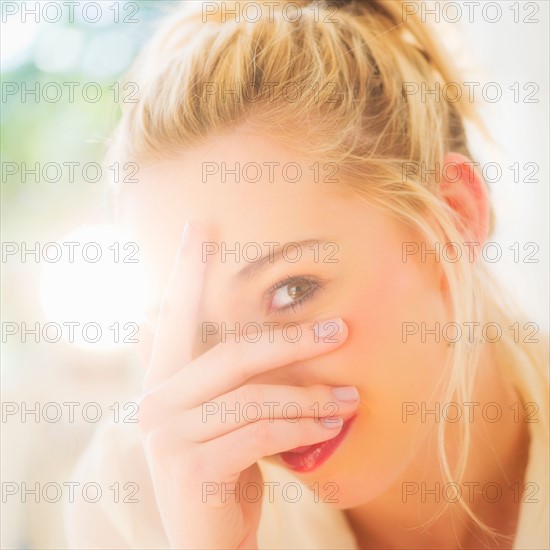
x=464, y=190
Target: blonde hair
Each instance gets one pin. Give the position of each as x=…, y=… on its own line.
x=349, y=67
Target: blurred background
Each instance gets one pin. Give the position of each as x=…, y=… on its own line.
x=41, y=58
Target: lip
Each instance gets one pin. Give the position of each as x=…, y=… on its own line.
x=309, y=457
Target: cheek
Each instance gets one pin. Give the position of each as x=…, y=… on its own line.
x=400, y=298
x=391, y=372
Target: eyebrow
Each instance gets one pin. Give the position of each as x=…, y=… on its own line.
x=275, y=254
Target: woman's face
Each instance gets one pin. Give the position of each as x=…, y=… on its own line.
x=351, y=266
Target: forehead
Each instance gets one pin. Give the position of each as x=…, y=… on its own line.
x=237, y=182
x=242, y=187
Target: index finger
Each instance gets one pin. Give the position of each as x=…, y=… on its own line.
x=179, y=311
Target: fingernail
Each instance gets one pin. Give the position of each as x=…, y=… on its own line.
x=332, y=327
x=346, y=393
x=185, y=238
x=332, y=423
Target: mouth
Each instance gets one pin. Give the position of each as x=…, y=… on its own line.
x=309, y=457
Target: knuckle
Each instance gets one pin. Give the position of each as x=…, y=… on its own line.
x=174, y=454
x=248, y=394
x=156, y=442
x=192, y=468
x=232, y=350
x=317, y=393
x=309, y=428
x=259, y=431
x=146, y=413
x=240, y=356
x=299, y=348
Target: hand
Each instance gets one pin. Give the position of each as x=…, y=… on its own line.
x=186, y=452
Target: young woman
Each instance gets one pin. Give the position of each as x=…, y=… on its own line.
x=332, y=365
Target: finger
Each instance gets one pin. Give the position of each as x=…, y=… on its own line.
x=229, y=365
x=251, y=403
x=236, y=451
x=178, y=323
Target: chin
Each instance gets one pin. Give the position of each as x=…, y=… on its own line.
x=350, y=483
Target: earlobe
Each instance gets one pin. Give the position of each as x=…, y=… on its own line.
x=465, y=191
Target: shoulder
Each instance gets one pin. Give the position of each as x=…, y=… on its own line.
x=533, y=532
x=125, y=514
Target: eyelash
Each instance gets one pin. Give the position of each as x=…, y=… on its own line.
x=316, y=286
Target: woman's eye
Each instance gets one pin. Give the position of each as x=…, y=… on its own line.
x=291, y=293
